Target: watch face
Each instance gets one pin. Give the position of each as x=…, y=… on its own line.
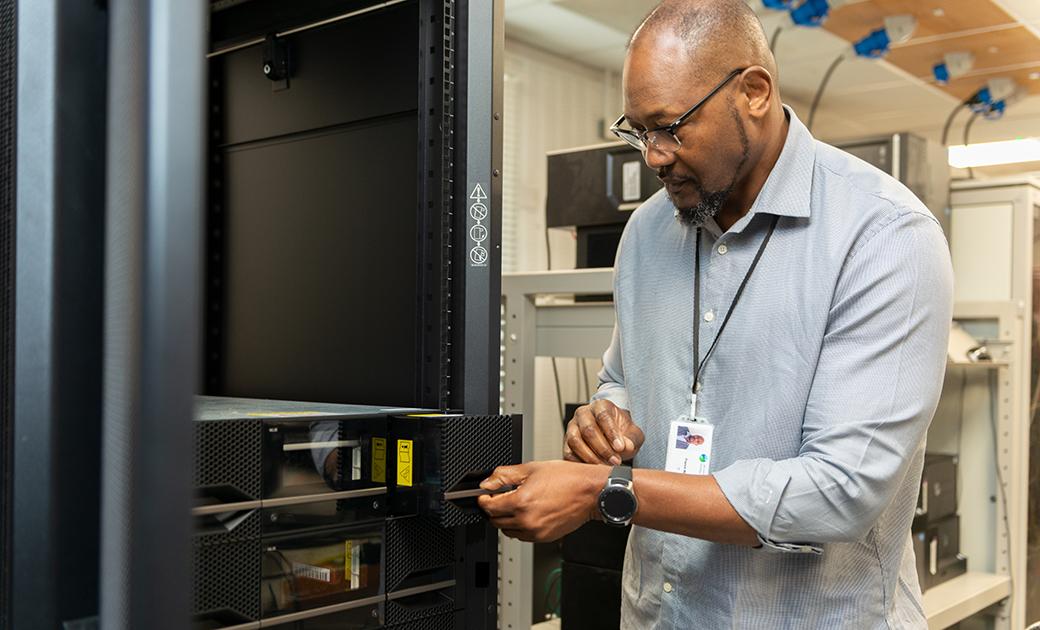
x=617, y=504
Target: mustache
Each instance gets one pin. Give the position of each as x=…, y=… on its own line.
x=668, y=177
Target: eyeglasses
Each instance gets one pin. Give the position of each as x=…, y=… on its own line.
x=664, y=138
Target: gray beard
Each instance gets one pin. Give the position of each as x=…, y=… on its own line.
x=712, y=201
x=708, y=207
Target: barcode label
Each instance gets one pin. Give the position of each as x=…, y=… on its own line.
x=312, y=572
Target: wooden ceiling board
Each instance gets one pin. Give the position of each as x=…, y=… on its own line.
x=964, y=87
x=1002, y=46
x=1013, y=47
x=853, y=21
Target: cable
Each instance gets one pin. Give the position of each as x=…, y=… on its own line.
x=949, y=121
x=967, y=131
x=823, y=86
x=772, y=40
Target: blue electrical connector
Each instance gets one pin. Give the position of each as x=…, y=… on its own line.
x=995, y=111
x=810, y=13
x=778, y=5
x=981, y=101
x=941, y=73
x=873, y=45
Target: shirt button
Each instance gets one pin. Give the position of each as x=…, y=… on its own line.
x=709, y=316
x=722, y=250
x=667, y=587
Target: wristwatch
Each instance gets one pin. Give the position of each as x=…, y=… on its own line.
x=617, y=500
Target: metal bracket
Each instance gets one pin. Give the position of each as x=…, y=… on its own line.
x=276, y=60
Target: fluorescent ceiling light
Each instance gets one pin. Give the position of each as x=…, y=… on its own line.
x=993, y=153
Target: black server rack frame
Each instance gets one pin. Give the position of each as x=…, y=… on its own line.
x=459, y=132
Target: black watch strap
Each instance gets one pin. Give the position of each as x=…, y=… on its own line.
x=621, y=472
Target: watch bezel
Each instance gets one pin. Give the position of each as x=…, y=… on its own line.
x=617, y=486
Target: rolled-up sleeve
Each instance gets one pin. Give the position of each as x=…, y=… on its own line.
x=876, y=386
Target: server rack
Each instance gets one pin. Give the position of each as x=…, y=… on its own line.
x=115, y=175
x=53, y=72
x=285, y=121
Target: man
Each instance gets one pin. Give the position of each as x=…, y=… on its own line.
x=809, y=297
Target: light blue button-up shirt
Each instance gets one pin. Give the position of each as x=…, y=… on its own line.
x=821, y=391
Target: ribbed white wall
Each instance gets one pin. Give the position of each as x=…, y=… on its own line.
x=550, y=103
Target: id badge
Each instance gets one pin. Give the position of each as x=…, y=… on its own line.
x=689, y=446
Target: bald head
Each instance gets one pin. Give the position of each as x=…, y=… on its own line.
x=713, y=34
x=701, y=71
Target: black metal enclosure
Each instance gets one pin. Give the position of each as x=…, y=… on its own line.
x=259, y=198
x=332, y=166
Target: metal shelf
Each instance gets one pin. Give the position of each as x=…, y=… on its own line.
x=963, y=596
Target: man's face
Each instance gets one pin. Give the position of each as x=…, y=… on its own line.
x=659, y=86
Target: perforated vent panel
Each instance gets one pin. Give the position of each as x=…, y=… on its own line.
x=7, y=162
x=473, y=444
x=227, y=577
x=248, y=529
x=440, y=622
x=401, y=615
x=415, y=544
x=228, y=454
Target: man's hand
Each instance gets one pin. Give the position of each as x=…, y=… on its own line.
x=602, y=433
x=551, y=500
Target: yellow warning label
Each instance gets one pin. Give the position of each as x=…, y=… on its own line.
x=379, y=459
x=404, y=462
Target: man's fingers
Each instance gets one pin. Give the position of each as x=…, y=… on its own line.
x=496, y=505
x=633, y=441
x=580, y=450
x=505, y=476
x=635, y=434
x=592, y=433
x=607, y=419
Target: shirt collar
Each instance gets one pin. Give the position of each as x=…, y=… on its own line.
x=788, y=189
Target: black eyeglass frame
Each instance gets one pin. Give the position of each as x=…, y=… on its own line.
x=640, y=137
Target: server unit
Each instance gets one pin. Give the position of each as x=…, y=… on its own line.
x=936, y=526
x=353, y=257
x=595, y=189
x=920, y=164
x=313, y=513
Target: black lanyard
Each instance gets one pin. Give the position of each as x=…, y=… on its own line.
x=699, y=366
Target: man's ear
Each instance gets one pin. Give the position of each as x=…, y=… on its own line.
x=758, y=90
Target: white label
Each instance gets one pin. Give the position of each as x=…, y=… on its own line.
x=311, y=572
x=478, y=231
x=933, y=553
x=689, y=447
x=355, y=464
x=630, y=180
x=355, y=567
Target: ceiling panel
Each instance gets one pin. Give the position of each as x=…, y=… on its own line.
x=934, y=17
x=1004, y=44
x=1028, y=77
x=623, y=16
x=865, y=97
x=1008, y=47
